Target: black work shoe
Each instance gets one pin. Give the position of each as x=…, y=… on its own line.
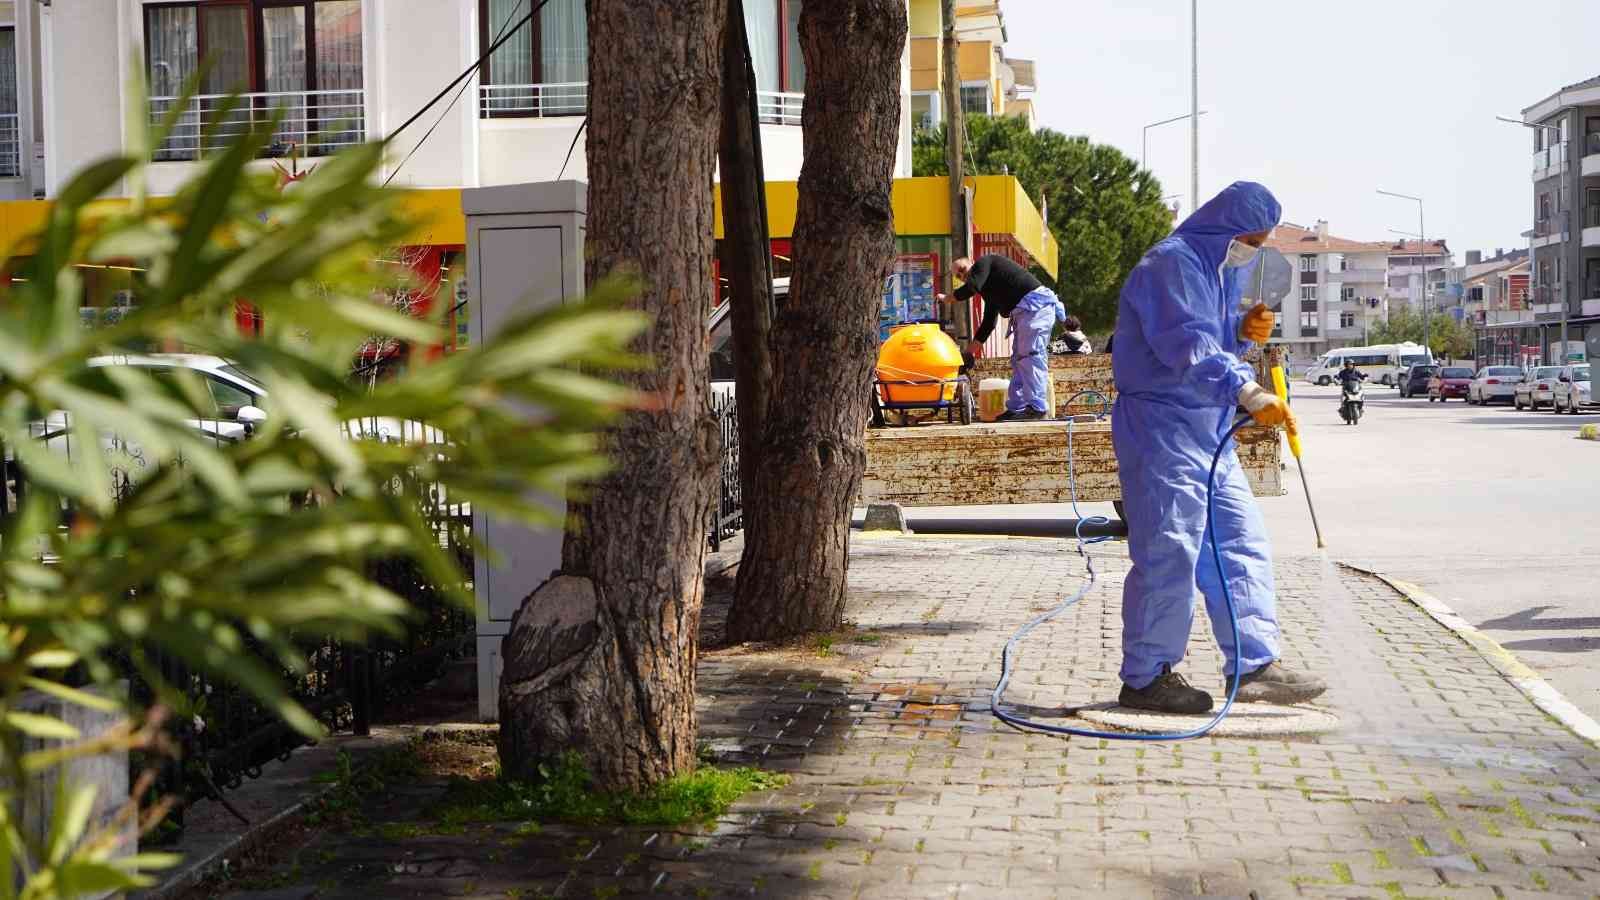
x=1169, y=693
x=1277, y=683
x=1021, y=415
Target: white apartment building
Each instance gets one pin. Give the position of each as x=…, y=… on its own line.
x=1407, y=262
x=1338, y=290
x=340, y=71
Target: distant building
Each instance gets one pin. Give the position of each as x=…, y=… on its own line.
x=1339, y=293
x=992, y=84
x=1565, y=238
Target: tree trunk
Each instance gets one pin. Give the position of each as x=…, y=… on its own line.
x=812, y=451
x=601, y=659
x=746, y=253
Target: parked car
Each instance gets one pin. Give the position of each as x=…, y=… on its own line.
x=720, y=326
x=1449, y=381
x=1573, y=389
x=1537, y=387
x=1413, y=380
x=1494, y=383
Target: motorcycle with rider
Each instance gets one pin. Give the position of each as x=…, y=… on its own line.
x=1351, y=402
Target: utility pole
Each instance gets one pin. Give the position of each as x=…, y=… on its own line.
x=955, y=132
x=1422, y=236
x=1194, y=105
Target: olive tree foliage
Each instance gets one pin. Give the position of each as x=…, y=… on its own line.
x=1104, y=211
x=269, y=537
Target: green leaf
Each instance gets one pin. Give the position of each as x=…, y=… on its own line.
x=38, y=726
x=72, y=695
x=71, y=820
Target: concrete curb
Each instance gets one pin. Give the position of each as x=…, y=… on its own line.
x=193, y=871
x=1525, y=679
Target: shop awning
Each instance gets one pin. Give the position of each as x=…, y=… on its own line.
x=922, y=208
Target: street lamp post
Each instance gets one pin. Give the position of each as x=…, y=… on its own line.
x=1533, y=270
x=1194, y=105
x=1144, y=142
x=1422, y=235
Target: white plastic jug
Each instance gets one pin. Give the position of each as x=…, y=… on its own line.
x=992, y=398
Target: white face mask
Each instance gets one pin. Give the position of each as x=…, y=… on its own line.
x=1240, y=253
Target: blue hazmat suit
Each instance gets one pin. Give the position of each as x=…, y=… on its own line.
x=1178, y=375
x=1032, y=323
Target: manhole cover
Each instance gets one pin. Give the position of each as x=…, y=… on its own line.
x=1244, y=720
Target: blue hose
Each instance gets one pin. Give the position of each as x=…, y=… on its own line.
x=1008, y=653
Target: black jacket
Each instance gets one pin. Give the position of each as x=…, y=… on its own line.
x=1002, y=284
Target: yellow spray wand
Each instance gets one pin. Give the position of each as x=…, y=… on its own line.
x=1280, y=386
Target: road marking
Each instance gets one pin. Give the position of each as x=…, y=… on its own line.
x=1525, y=679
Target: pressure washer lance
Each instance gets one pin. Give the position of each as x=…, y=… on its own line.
x=1280, y=386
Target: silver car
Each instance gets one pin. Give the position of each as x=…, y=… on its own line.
x=1573, y=389
x=1494, y=383
x=1537, y=388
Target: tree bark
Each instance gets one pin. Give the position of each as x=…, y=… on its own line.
x=955, y=129
x=812, y=451
x=602, y=659
x=746, y=253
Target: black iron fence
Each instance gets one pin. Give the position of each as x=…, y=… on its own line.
x=727, y=517
x=223, y=736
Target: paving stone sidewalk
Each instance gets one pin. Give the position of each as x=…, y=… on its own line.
x=1443, y=780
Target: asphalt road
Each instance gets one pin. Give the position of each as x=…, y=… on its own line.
x=1494, y=511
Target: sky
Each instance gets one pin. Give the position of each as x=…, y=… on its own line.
x=1325, y=103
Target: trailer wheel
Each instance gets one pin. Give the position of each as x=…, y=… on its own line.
x=964, y=398
x=877, y=410
x=1121, y=514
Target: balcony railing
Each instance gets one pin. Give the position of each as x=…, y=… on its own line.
x=776, y=108
x=521, y=101
x=524, y=101
x=308, y=123
x=1554, y=155
x=10, y=146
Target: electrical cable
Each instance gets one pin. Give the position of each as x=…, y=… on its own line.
x=1006, y=655
x=464, y=81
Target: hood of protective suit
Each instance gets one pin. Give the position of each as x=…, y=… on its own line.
x=1244, y=207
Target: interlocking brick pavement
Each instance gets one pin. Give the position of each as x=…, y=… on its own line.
x=1443, y=780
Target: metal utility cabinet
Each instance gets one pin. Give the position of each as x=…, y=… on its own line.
x=524, y=252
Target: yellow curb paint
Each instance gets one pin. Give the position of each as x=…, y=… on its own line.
x=1521, y=676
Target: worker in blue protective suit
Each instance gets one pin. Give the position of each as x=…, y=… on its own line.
x=1179, y=378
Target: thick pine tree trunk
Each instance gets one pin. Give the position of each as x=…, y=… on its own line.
x=812, y=453
x=601, y=659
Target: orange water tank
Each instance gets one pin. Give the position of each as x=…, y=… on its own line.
x=918, y=353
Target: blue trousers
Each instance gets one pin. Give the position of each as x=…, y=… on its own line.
x=1031, y=325
x=1163, y=456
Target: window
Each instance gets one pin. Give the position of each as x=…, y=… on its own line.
x=926, y=114
x=301, y=59
x=1544, y=207
x=543, y=69
x=1348, y=294
x=1308, y=292
x=10, y=135
x=975, y=97
x=1475, y=294
x=229, y=399
x=1347, y=320
x=1308, y=263
x=1308, y=323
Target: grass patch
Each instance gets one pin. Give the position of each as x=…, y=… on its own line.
x=1342, y=873
x=564, y=792
x=1380, y=860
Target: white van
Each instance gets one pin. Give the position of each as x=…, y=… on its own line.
x=1381, y=362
